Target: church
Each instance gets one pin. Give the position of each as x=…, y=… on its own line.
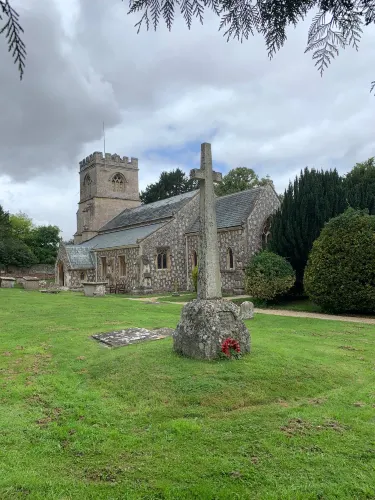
x=154, y=247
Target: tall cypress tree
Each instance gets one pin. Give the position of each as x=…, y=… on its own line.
x=359, y=186
x=311, y=200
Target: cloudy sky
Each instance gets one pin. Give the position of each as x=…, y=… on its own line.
x=162, y=94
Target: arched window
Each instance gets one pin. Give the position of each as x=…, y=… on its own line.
x=195, y=259
x=118, y=183
x=266, y=233
x=87, y=182
x=230, y=260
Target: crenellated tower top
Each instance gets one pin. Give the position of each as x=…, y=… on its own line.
x=110, y=160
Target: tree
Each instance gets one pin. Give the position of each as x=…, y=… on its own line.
x=21, y=225
x=5, y=227
x=311, y=200
x=359, y=185
x=239, y=179
x=340, y=274
x=268, y=276
x=338, y=23
x=44, y=242
x=169, y=184
x=14, y=252
x=13, y=30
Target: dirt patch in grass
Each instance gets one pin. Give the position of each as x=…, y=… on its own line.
x=110, y=474
x=300, y=427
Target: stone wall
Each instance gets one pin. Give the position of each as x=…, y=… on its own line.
x=76, y=277
x=36, y=270
x=113, y=266
x=266, y=205
x=172, y=237
x=72, y=277
x=231, y=279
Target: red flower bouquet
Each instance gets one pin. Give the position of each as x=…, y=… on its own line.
x=231, y=348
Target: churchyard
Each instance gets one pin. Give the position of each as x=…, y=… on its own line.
x=293, y=419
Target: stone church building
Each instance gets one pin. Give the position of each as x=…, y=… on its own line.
x=153, y=247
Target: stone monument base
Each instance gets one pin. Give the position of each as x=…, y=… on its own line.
x=205, y=324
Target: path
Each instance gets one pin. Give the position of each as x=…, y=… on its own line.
x=281, y=312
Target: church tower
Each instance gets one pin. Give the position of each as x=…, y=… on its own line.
x=108, y=185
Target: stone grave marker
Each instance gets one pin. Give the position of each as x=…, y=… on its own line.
x=207, y=321
x=247, y=310
x=130, y=336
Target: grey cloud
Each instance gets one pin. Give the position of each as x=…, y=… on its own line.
x=57, y=107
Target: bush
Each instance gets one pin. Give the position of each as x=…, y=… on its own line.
x=268, y=275
x=340, y=274
x=194, y=276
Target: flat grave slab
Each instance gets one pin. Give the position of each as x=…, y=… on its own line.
x=120, y=338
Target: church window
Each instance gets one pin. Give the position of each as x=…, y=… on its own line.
x=195, y=258
x=118, y=183
x=87, y=182
x=103, y=262
x=122, y=265
x=162, y=259
x=266, y=233
x=230, y=260
x=82, y=276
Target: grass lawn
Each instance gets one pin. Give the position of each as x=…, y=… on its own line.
x=291, y=305
x=293, y=420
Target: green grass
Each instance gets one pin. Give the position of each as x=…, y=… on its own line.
x=291, y=305
x=293, y=420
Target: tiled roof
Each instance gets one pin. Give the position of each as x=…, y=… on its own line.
x=150, y=212
x=80, y=257
x=120, y=238
x=232, y=209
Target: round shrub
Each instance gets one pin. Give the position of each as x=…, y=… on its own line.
x=268, y=275
x=194, y=276
x=340, y=273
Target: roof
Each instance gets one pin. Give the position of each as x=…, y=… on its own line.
x=120, y=238
x=79, y=258
x=151, y=212
x=233, y=209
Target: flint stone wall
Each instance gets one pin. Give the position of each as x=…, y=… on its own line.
x=231, y=279
x=266, y=205
x=172, y=237
x=113, y=266
x=73, y=277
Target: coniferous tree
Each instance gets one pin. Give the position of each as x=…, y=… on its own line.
x=308, y=203
x=359, y=186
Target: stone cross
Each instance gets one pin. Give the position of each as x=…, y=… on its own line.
x=209, y=280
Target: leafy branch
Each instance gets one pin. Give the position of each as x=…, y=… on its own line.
x=338, y=24
x=12, y=30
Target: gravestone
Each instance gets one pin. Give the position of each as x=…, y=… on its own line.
x=7, y=282
x=207, y=321
x=94, y=288
x=247, y=310
x=30, y=283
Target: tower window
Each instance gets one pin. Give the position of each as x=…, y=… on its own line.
x=118, y=183
x=230, y=260
x=87, y=182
